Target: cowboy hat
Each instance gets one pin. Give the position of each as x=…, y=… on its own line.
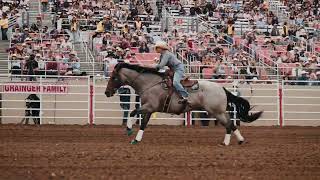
x=73, y=53
x=119, y=49
x=162, y=45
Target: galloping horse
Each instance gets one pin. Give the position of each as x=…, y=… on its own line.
x=149, y=85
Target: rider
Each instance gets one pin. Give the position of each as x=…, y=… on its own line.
x=170, y=60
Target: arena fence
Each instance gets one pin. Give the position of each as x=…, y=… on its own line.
x=81, y=100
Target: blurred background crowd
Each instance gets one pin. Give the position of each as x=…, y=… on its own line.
x=215, y=39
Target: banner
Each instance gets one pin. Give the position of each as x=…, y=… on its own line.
x=36, y=88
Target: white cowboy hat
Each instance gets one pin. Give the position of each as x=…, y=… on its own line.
x=162, y=45
x=119, y=49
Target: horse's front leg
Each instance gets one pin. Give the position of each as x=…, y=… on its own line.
x=144, y=123
x=130, y=122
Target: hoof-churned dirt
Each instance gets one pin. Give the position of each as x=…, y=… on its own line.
x=166, y=152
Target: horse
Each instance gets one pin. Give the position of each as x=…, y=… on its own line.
x=148, y=83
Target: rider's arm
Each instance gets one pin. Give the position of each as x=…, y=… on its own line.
x=163, y=61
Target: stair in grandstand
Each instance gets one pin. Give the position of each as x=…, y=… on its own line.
x=4, y=57
x=33, y=11
x=154, y=6
x=279, y=9
x=46, y=19
x=87, y=62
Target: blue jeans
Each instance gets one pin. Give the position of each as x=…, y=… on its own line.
x=178, y=76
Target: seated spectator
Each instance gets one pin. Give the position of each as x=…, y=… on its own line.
x=138, y=24
x=66, y=44
x=135, y=41
x=252, y=71
x=75, y=66
x=63, y=66
x=52, y=67
x=107, y=24
x=125, y=29
x=220, y=69
x=303, y=77
x=318, y=77
x=125, y=43
x=44, y=4
x=107, y=40
x=41, y=64
x=275, y=31
x=15, y=65
x=119, y=54
x=290, y=46
x=100, y=27
x=144, y=48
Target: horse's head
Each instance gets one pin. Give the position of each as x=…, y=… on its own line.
x=114, y=84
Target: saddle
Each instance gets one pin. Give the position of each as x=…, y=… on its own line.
x=185, y=82
x=188, y=84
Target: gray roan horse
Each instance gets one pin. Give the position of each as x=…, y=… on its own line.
x=148, y=84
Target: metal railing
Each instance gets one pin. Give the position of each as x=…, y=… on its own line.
x=81, y=100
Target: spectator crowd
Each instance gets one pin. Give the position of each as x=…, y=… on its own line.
x=242, y=39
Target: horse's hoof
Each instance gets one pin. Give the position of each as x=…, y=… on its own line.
x=223, y=144
x=129, y=132
x=134, y=142
x=240, y=142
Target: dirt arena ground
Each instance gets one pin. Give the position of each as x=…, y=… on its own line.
x=104, y=152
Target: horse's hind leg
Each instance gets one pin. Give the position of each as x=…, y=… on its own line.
x=228, y=124
x=237, y=133
x=225, y=121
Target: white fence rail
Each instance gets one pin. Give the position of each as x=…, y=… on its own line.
x=81, y=100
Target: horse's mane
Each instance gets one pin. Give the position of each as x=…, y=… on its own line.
x=139, y=69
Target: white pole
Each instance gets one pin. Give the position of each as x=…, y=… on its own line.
x=282, y=107
x=94, y=100
x=140, y=117
x=41, y=91
x=185, y=118
x=88, y=95
x=278, y=101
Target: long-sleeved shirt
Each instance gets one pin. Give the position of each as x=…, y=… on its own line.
x=168, y=59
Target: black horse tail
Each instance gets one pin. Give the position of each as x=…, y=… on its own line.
x=243, y=108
